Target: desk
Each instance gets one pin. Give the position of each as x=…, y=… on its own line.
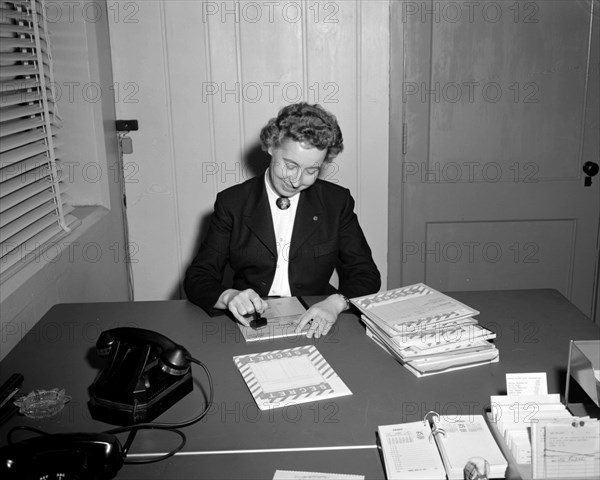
x=533, y=330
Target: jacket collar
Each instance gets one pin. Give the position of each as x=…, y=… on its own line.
x=257, y=214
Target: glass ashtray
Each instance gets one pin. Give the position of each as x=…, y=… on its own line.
x=42, y=403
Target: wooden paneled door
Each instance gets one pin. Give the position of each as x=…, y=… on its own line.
x=494, y=112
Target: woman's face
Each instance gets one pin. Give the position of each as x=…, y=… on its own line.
x=294, y=167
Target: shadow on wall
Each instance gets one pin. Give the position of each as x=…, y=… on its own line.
x=255, y=162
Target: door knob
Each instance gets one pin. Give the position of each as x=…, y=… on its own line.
x=590, y=169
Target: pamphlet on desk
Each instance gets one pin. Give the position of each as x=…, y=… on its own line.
x=438, y=447
x=287, y=377
x=282, y=315
x=426, y=330
x=402, y=309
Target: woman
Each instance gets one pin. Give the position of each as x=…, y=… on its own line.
x=284, y=233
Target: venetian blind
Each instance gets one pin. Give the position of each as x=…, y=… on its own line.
x=34, y=208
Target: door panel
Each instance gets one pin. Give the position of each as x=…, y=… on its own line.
x=499, y=254
x=496, y=107
x=514, y=90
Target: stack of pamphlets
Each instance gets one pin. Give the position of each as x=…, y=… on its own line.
x=427, y=331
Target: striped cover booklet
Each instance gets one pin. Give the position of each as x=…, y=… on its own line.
x=287, y=377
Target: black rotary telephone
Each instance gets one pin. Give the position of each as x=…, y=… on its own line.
x=146, y=374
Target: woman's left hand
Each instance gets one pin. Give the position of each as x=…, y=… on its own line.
x=322, y=316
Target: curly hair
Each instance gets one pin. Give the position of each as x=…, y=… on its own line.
x=303, y=122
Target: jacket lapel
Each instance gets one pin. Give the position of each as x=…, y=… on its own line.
x=309, y=217
x=257, y=215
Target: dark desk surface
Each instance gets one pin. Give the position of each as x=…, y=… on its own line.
x=243, y=466
x=533, y=330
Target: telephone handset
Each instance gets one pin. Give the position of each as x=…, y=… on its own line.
x=65, y=456
x=146, y=374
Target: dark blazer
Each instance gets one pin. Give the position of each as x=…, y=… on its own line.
x=326, y=235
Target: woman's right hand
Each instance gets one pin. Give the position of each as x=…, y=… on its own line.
x=242, y=304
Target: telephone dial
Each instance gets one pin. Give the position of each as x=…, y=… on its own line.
x=145, y=375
